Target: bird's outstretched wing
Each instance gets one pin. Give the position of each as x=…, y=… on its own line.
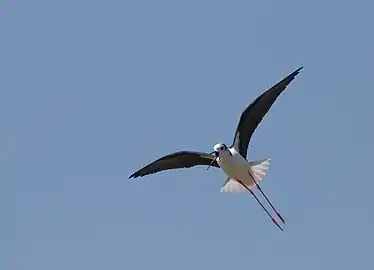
x=254, y=113
x=177, y=160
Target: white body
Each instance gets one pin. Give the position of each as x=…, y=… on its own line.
x=237, y=168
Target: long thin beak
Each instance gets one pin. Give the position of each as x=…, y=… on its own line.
x=216, y=156
x=215, y=153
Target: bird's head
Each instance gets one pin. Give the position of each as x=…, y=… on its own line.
x=220, y=148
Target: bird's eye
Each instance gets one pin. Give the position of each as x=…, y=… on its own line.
x=222, y=147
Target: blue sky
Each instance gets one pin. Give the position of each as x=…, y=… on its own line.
x=93, y=90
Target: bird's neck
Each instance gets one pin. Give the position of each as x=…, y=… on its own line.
x=225, y=154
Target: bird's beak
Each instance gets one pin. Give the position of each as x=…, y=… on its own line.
x=216, y=156
x=215, y=153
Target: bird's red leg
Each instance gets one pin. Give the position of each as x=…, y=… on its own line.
x=263, y=207
x=272, y=206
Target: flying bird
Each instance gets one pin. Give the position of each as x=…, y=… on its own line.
x=241, y=174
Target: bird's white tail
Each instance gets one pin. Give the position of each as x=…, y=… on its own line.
x=258, y=169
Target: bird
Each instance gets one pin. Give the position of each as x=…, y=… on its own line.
x=242, y=175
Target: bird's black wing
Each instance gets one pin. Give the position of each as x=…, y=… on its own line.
x=177, y=160
x=254, y=113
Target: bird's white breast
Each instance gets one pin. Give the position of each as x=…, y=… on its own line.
x=234, y=165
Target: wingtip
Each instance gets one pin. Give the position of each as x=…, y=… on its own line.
x=135, y=175
x=298, y=70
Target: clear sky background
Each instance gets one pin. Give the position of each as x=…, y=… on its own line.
x=91, y=91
